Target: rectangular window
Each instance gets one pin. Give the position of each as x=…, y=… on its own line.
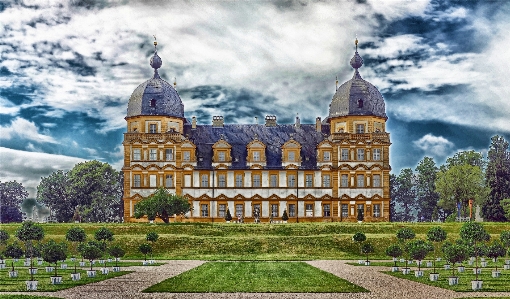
x=256, y=210
x=153, y=128
x=273, y=182
x=309, y=180
x=222, y=181
x=205, y=181
x=221, y=156
x=274, y=210
x=136, y=181
x=169, y=181
x=344, y=181
x=256, y=156
x=309, y=210
x=345, y=211
x=152, y=180
x=187, y=156
x=377, y=210
x=222, y=210
x=377, y=154
x=187, y=180
x=239, y=180
x=204, y=210
x=326, y=156
x=169, y=154
x=291, y=157
x=361, y=209
x=361, y=180
x=291, y=180
x=327, y=210
x=239, y=210
x=136, y=154
x=326, y=181
x=361, y=154
x=376, y=180
x=292, y=210
x=360, y=128
x=345, y=154
x=256, y=180
x=153, y=154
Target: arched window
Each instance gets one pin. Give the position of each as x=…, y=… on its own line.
x=153, y=103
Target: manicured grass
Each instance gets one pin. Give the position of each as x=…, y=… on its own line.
x=44, y=285
x=256, y=277
x=26, y=297
x=501, y=284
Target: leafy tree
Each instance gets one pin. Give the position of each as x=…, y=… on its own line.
x=14, y=251
x=162, y=204
x=417, y=250
x=145, y=248
x=91, y=251
x=465, y=158
x=359, y=238
x=103, y=234
x=436, y=235
x=404, y=235
x=427, y=197
x=4, y=236
x=393, y=192
x=76, y=235
x=394, y=251
x=52, y=252
x=497, y=176
x=52, y=192
x=28, y=233
x=454, y=253
x=404, y=195
x=495, y=250
x=504, y=237
x=505, y=205
x=116, y=251
x=228, y=216
x=152, y=237
x=473, y=233
x=12, y=195
x=457, y=185
x=366, y=249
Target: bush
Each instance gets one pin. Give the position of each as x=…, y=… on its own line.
x=285, y=217
x=228, y=217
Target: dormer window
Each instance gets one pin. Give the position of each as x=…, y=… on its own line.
x=360, y=103
x=256, y=156
x=221, y=156
x=326, y=157
x=153, y=128
x=153, y=103
x=360, y=128
x=292, y=157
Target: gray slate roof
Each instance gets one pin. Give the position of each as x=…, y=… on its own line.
x=238, y=136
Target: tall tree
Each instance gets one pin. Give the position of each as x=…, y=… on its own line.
x=466, y=157
x=12, y=195
x=393, y=192
x=497, y=176
x=427, y=197
x=404, y=195
x=457, y=185
x=53, y=194
x=161, y=204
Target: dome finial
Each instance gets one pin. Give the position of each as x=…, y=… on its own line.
x=156, y=61
x=336, y=83
x=155, y=41
x=175, y=82
x=355, y=42
x=356, y=61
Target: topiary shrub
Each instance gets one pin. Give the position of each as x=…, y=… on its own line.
x=145, y=249
x=285, y=217
x=228, y=217
x=394, y=251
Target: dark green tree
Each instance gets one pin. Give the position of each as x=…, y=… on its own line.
x=366, y=249
x=52, y=193
x=474, y=233
x=427, y=197
x=497, y=176
x=12, y=195
x=505, y=205
x=152, y=237
x=394, y=251
x=504, y=237
x=117, y=252
x=454, y=253
x=14, y=251
x=76, y=235
x=52, y=252
x=145, y=248
x=285, y=217
x=359, y=238
x=436, y=235
x=465, y=158
x=162, y=204
x=417, y=250
x=404, y=195
x=28, y=233
x=404, y=235
x=4, y=236
x=393, y=192
x=495, y=251
x=91, y=251
x=228, y=216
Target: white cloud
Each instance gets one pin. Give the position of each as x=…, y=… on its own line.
x=436, y=146
x=20, y=127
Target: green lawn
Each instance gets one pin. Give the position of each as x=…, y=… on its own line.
x=255, y=277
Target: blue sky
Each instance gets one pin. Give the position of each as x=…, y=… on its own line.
x=67, y=70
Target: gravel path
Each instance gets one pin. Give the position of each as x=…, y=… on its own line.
x=381, y=286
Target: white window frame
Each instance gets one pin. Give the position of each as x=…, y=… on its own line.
x=376, y=180
x=345, y=154
x=344, y=181
x=291, y=180
x=137, y=181
x=204, y=210
x=186, y=156
x=360, y=180
x=153, y=128
x=360, y=128
x=291, y=157
x=222, y=181
x=273, y=180
x=169, y=154
x=169, y=181
x=360, y=154
x=153, y=154
x=376, y=154
x=204, y=181
x=137, y=154
x=221, y=156
x=274, y=210
x=256, y=180
x=309, y=180
x=239, y=180
x=376, y=210
x=326, y=181
x=326, y=156
x=256, y=156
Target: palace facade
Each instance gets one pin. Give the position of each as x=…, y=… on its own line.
x=332, y=170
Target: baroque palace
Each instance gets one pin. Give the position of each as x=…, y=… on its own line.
x=332, y=170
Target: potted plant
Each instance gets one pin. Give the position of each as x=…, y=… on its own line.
x=52, y=253
x=28, y=233
x=359, y=238
x=285, y=217
x=403, y=235
x=436, y=235
x=152, y=237
x=418, y=250
x=102, y=236
x=91, y=252
x=366, y=249
x=395, y=252
x=76, y=235
x=494, y=251
x=145, y=248
x=505, y=240
x=474, y=233
x=117, y=252
x=228, y=216
x=13, y=251
x=454, y=253
x=4, y=236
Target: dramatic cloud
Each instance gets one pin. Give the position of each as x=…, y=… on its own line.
x=23, y=128
x=436, y=146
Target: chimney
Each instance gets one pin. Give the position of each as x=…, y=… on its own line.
x=193, y=122
x=217, y=121
x=270, y=120
x=318, y=124
x=298, y=122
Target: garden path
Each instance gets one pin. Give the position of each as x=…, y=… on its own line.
x=381, y=286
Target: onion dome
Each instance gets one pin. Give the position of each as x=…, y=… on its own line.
x=357, y=96
x=155, y=96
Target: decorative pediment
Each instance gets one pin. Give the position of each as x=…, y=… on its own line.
x=188, y=144
x=169, y=166
x=309, y=197
x=291, y=166
x=204, y=197
x=188, y=167
x=222, y=144
x=291, y=144
x=222, y=197
x=274, y=197
x=239, y=197
x=256, y=197
x=325, y=144
x=326, y=197
x=256, y=144
x=256, y=166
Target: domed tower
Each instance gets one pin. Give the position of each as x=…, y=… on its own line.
x=154, y=139
x=357, y=120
